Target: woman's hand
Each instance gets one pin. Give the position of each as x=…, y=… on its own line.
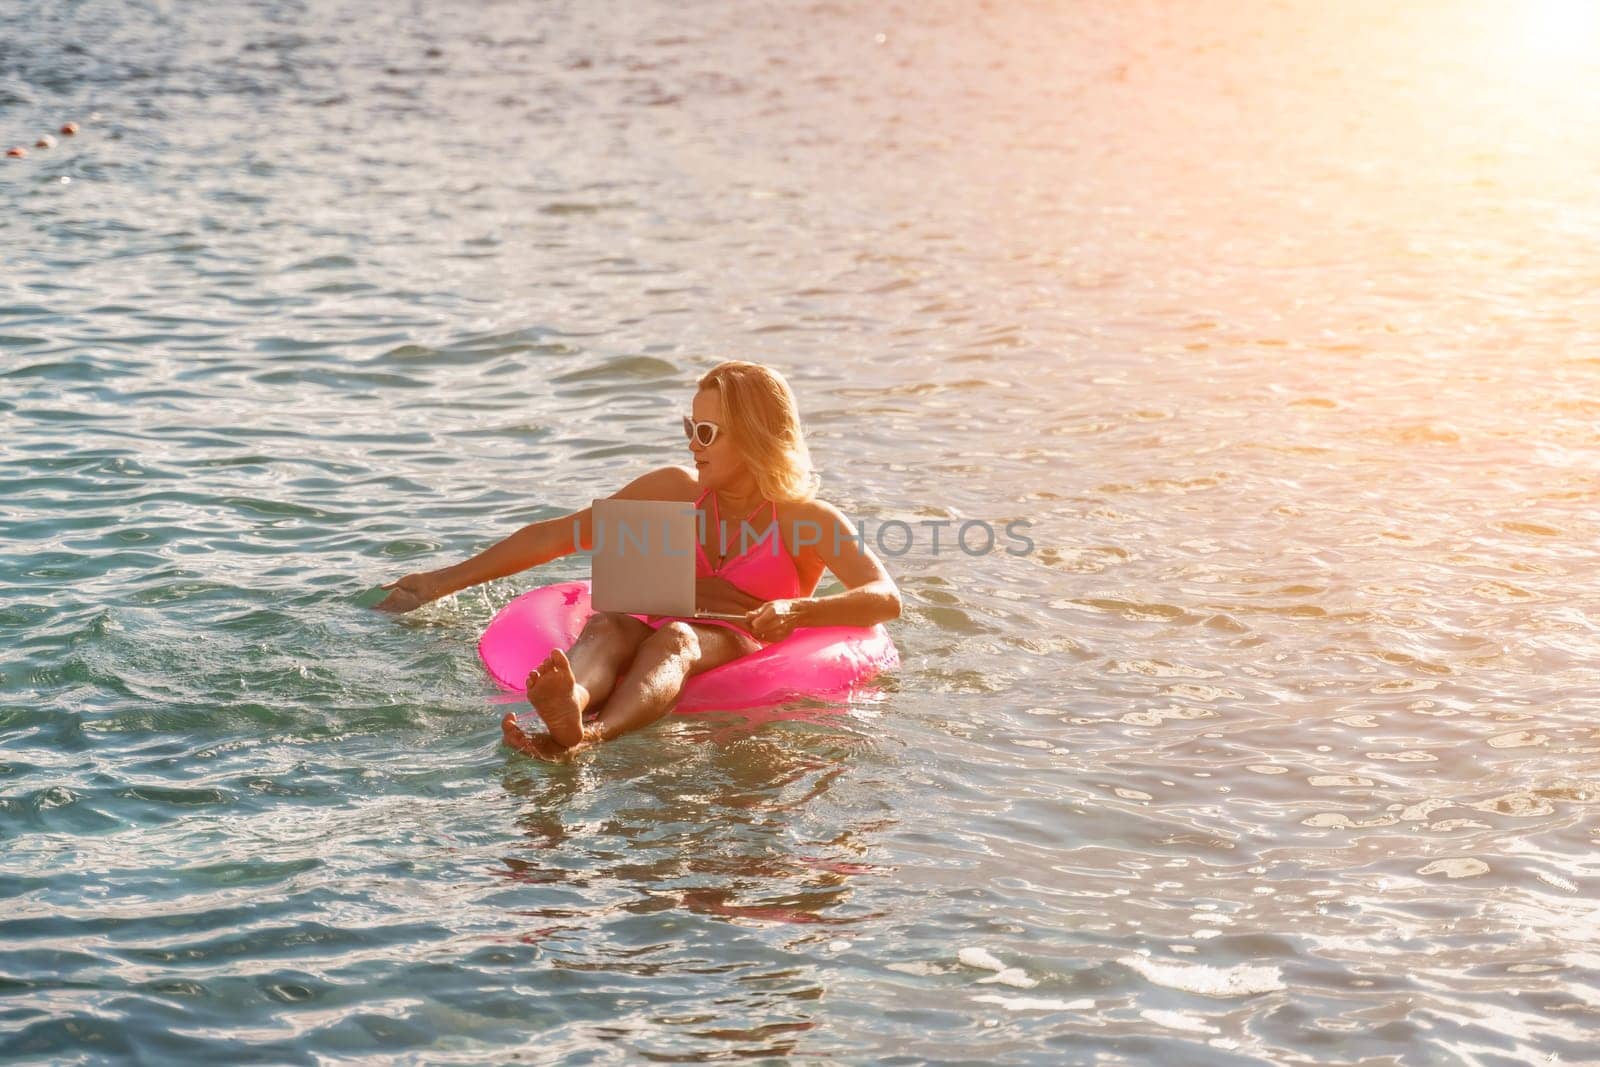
x=718, y=594
x=776, y=619
x=408, y=593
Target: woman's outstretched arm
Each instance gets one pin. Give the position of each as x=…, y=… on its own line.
x=536, y=543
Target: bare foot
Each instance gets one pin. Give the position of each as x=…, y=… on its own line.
x=558, y=698
x=538, y=746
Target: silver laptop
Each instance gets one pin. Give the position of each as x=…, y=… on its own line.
x=643, y=559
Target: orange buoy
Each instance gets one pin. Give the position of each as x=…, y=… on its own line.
x=45, y=142
x=70, y=129
x=16, y=152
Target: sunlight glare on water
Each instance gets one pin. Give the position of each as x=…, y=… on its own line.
x=1560, y=37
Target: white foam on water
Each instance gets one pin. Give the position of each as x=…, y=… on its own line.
x=980, y=958
x=1011, y=976
x=1035, y=1003
x=921, y=968
x=1456, y=867
x=1178, y=1020
x=1244, y=980
x=1557, y=881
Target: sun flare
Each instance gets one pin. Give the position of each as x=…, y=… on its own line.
x=1560, y=31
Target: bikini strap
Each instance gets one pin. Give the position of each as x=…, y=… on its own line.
x=716, y=526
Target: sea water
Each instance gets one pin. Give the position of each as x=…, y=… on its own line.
x=1275, y=322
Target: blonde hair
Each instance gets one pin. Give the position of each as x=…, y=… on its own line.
x=759, y=410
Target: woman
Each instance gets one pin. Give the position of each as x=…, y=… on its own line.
x=750, y=463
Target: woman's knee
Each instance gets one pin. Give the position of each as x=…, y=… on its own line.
x=613, y=624
x=673, y=639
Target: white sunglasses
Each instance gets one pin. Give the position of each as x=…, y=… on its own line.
x=701, y=432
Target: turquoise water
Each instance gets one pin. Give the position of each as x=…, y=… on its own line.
x=1275, y=322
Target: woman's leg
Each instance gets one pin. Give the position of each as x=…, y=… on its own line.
x=602, y=651
x=568, y=683
x=665, y=660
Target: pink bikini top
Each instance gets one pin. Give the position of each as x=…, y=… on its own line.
x=765, y=569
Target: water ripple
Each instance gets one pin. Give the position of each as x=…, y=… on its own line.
x=1285, y=721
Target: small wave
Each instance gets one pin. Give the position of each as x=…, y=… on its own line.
x=1244, y=980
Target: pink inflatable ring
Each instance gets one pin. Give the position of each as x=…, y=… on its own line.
x=825, y=662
